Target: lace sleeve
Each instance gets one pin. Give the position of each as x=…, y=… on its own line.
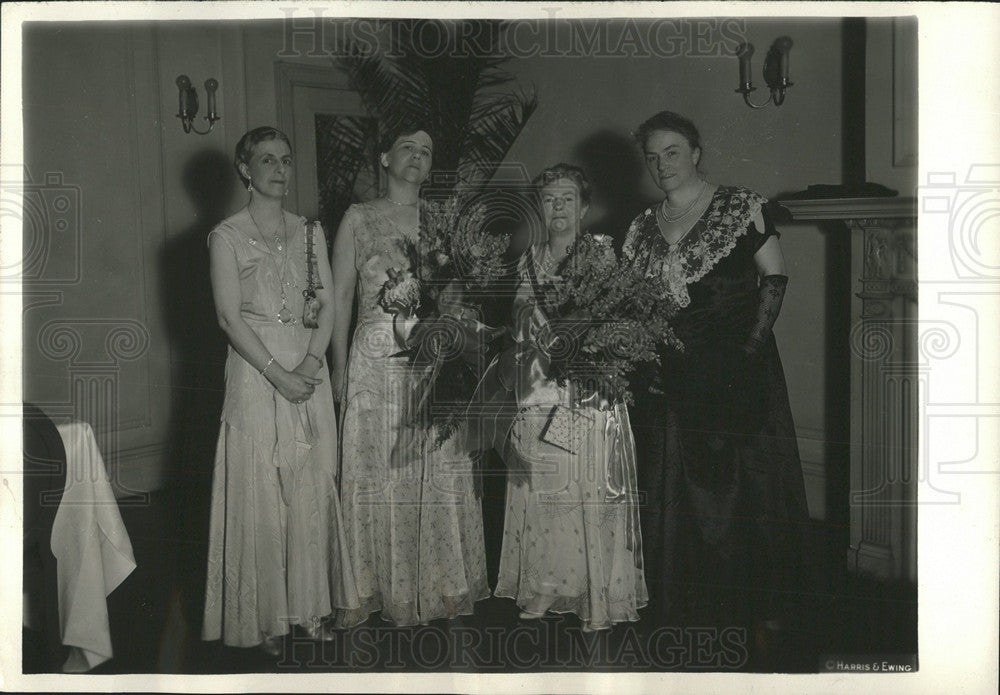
x=628, y=246
x=631, y=237
x=771, y=295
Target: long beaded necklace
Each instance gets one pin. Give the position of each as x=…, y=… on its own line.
x=285, y=315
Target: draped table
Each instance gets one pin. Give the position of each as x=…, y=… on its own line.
x=92, y=550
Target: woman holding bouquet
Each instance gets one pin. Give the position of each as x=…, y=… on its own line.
x=414, y=522
x=571, y=542
x=277, y=551
x=718, y=458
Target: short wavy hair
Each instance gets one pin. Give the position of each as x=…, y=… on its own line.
x=669, y=121
x=564, y=171
x=389, y=136
x=252, y=138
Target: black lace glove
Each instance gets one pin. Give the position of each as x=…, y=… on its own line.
x=770, y=294
x=746, y=399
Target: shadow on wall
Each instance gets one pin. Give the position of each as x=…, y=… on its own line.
x=614, y=166
x=197, y=344
x=198, y=354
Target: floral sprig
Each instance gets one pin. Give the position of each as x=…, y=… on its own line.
x=452, y=261
x=454, y=246
x=478, y=254
x=606, y=319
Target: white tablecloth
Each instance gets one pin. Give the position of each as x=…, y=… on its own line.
x=92, y=549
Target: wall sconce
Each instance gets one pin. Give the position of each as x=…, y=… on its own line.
x=188, y=96
x=775, y=71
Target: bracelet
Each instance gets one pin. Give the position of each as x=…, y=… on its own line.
x=309, y=354
x=269, y=363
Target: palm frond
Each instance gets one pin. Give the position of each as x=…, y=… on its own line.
x=344, y=148
x=456, y=88
x=491, y=134
x=490, y=74
x=384, y=90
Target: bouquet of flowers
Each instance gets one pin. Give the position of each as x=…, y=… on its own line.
x=401, y=293
x=605, y=319
x=439, y=301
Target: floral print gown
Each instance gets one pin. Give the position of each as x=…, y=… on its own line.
x=414, y=527
x=571, y=538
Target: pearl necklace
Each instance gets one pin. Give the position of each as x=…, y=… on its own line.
x=662, y=209
x=402, y=205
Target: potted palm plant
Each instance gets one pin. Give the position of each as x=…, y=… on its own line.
x=458, y=88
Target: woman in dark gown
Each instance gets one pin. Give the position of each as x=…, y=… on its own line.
x=718, y=461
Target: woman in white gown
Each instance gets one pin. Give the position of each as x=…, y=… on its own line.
x=571, y=542
x=414, y=527
x=276, y=552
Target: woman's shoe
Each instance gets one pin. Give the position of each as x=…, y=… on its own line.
x=528, y=615
x=321, y=630
x=271, y=646
x=537, y=607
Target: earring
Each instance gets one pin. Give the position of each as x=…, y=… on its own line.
x=249, y=185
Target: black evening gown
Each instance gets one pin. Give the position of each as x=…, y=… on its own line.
x=723, y=500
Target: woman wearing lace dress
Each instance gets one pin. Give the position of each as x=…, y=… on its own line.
x=571, y=538
x=277, y=553
x=414, y=523
x=717, y=454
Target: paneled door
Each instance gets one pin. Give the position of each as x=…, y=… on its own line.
x=308, y=95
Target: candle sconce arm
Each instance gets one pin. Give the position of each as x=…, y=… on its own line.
x=775, y=72
x=189, y=125
x=188, y=104
x=745, y=91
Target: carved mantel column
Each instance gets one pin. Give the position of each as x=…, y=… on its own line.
x=885, y=382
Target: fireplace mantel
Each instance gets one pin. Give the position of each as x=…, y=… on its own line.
x=850, y=208
x=886, y=376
